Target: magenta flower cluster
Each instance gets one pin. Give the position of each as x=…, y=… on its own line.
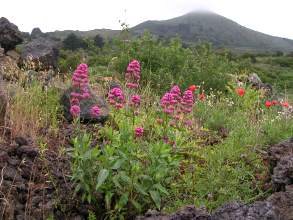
x=75, y=110
x=95, y=111
x=187, y=101
x=132, y=75
x=176, y=92
x=167, y=103
x=116, y=97
x=138, y=131
x=173, y=104
x=135, y=100
x=80, y=81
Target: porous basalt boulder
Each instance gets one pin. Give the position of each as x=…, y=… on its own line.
x=9, y=69
x=281, y=162
x=187, y=212
x=14, y=55
x=85, y=106
x=40, y=54
x=10, y=36
x=255, y=211
x=256, y=83
x=36, y=187
x=37, y=33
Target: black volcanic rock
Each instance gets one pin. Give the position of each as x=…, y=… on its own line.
x=85, y=106
x=10, y=36
x=37, y=33
x=41, y=52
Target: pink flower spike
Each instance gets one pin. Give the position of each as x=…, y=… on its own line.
x=135, y=100
x=138, y=131
x=85, y=95
x=132, y=74
x=95, y=111
x=75, y=94
x=75, y=110
x=132, y=85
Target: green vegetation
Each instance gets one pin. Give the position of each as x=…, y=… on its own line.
x=131, y=174
x=34, y=108
x=198, y=27
x=215, y=158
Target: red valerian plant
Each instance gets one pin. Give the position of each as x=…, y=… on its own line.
x=138, y=131
x=116, y=97
x=80, y=82
x=167, y=103
x=187, y=101
x=135, y=100
x=95, y=111
x=75, y=111
x=132, y=75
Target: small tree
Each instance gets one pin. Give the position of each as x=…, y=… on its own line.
x=73, y=42
x=99, y=41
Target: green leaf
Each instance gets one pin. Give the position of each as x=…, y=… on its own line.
x=140, y=189
x=162, y=189
x=103, y=174
x=122, y=201
x=115, y=180
x=126, y=179
x=156, y=198
x=136, y=205
x=117, y=164
x=89, y=198
x=108, y=199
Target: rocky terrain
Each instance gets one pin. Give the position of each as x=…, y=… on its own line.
x=32, y=181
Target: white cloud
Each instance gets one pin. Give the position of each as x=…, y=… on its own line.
x=269, y=16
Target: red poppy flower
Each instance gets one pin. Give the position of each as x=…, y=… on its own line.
x=285, y=104
x=192, y=88
x=274, y=102
x=268, y=104
x=240, y=91
x=201, y=96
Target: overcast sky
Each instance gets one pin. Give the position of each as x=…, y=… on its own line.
x=273, y=17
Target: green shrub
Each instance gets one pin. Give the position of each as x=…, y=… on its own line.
x=126, y=175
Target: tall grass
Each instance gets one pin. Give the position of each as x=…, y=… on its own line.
x=32, y=109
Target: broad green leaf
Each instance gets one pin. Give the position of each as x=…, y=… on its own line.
x=117, y=164
x=103, y=174
x=122, y=201
x=89, y=198
x=136, y=205
x=108, y=199
x=156, y=198
x=125, y=178
x=161, y=188
x=140, y=189
x=115, y=180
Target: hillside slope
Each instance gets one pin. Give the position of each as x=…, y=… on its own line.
x=220, y=31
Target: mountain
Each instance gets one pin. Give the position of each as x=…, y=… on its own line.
x=103, y=32
x=221, y=32
x=201, y=26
